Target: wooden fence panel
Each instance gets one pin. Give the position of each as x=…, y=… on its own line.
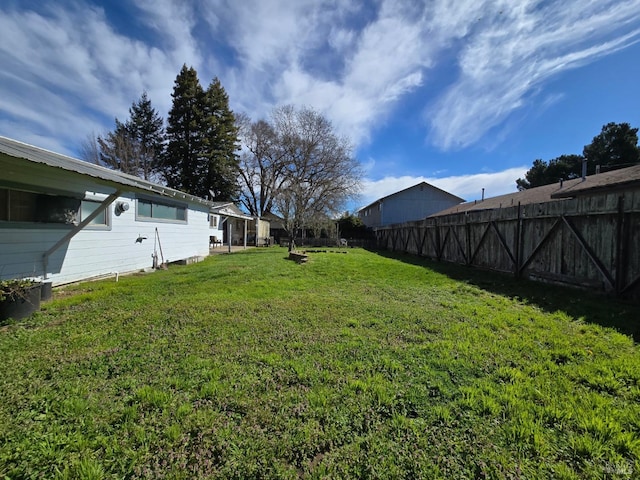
x=630, y=264
x=588, y=242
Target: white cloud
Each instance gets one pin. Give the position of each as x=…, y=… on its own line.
x=69, y=69
x=70, y=72
x=505, y=50
x=309, y=53
x=468, y=187
x=505, y=60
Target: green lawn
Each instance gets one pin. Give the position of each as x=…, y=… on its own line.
x=354, y=365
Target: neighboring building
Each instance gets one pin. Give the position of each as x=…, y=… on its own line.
x=241, y=228
x=582, y=232
x=66, y=220
x=621, y=180
x=278, y=233
x=413, y=203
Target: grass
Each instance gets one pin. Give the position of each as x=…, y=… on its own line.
x=356, y=365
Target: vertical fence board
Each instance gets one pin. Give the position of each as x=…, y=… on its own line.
x=590, y=242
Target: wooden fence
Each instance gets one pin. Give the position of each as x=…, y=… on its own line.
x=591, y=242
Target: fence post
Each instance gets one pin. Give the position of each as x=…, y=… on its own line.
x=467, y=228
x=518, y=242
x=438, y=245
x=621, y=252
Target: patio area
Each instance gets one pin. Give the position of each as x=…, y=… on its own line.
x=218, y=249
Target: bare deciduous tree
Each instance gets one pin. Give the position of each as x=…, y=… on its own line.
x=119, y=150
x=320, y=173
x=90, y=149
x=261, y=166
x=296, y=166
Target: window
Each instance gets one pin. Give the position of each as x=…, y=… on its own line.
x=88, y=207
x=4, y=205
x=30, y=207
x=147, y=210
x=213, y=221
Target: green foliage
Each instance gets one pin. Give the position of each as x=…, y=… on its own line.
x=565, y=167
x=202, y=139
x=351, y=226
x=184, y=165
x=615, y=147
x=15, y=288
x=221, y=143
x=359, y=365
x=146, y=126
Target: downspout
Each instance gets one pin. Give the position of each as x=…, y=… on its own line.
x=74, y=231
x=229, y=232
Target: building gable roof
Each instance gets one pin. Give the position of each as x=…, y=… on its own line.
x=421, y=184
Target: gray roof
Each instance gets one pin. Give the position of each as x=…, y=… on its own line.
x=100, y=174
x=616, y=179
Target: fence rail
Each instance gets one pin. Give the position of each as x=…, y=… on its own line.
x=590, y=242
x=329, y=242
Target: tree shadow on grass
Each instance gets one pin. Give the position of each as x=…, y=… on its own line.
x=592, y=307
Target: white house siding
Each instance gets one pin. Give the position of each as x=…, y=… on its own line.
x=92, y=253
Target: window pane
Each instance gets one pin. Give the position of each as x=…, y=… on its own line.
x=22, y=206
x=161, y=211
x=144, y=208
x=57, y=209
x=4, y=204
x=88, y=207
x=164, y=211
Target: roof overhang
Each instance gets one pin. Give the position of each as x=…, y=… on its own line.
x=99, y=175
x=226, y=211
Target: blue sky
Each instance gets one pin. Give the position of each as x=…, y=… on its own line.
x=463, y=94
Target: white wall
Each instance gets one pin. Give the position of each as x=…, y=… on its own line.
x=93, y=253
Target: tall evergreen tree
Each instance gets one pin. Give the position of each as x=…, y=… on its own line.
x=564, y=167
x=133, y=147
x=222, y=143
x=145, y=126
x=185, y=162
x=202, y=139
